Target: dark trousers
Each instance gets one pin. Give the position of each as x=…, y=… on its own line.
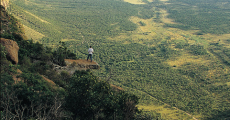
x=91, y=57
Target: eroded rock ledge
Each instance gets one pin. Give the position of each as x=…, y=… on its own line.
x=73, y=65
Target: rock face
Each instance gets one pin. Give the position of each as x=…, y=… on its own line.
x=12, y=49
x=5, y=3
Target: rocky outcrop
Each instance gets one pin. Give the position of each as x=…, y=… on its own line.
x=5, y=3
x=11, y=48
x=73, y=65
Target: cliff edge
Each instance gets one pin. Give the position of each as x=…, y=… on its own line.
x=73, y=65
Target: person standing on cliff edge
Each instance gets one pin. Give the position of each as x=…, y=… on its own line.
x=90, y=51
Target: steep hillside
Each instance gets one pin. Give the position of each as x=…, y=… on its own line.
x=162, y=60
x=9, y=25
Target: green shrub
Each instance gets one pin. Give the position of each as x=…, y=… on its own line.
x=90, y=98
x=142, y=23
x=181, y=45
x=197, y=50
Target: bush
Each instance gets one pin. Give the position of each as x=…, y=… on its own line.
x=128, y=26
x=181, y=45
x=197, y=50
x=145, y=115
x=90, y=98
x=142, y=23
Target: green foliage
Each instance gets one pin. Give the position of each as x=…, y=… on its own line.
x=3, y=52
x=65, y=76
x=13, y=27
x=198, y=50
x=146, y=13
x=61, y=54
x=144, y=115
x=142, y=23
x=134, y=68
x=6, y=66
x=221, y=52
x=181, y=45
x=165, y=51
x=24, y=96
x=90, y=98
x=33, y=88
x=228, y=40
x=127, y=26
x=6, y=81
x=208, y=17
x=32, y=98
x=183, y=27
x=101, y=18
x=34, y=51
x=34, y=57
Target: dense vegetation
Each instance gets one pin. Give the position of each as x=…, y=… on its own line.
x=208, y=17
x=141, y=66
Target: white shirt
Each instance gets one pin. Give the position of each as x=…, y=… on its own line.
x=90, y=50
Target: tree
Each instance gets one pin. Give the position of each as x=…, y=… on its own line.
x=89, y=98
x=62, y=53
x=30, y=99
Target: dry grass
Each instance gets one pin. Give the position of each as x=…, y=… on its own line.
x=37, y=17
x=137, y=1
x=218, y=72
x=80, y=61
x=126, y=42
x=32, y=34
x=167, y=112
x=187, y=58
x=66, y=40
x=116, y=88
x=50, y=83
x=156, y=30
x=221, y=39
x=228, y=83
x=153, y=30
x=18, y=79
x=165, y=19
x=134, y=1
x=145, y=33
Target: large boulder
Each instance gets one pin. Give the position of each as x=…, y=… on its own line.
x=11, y=48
